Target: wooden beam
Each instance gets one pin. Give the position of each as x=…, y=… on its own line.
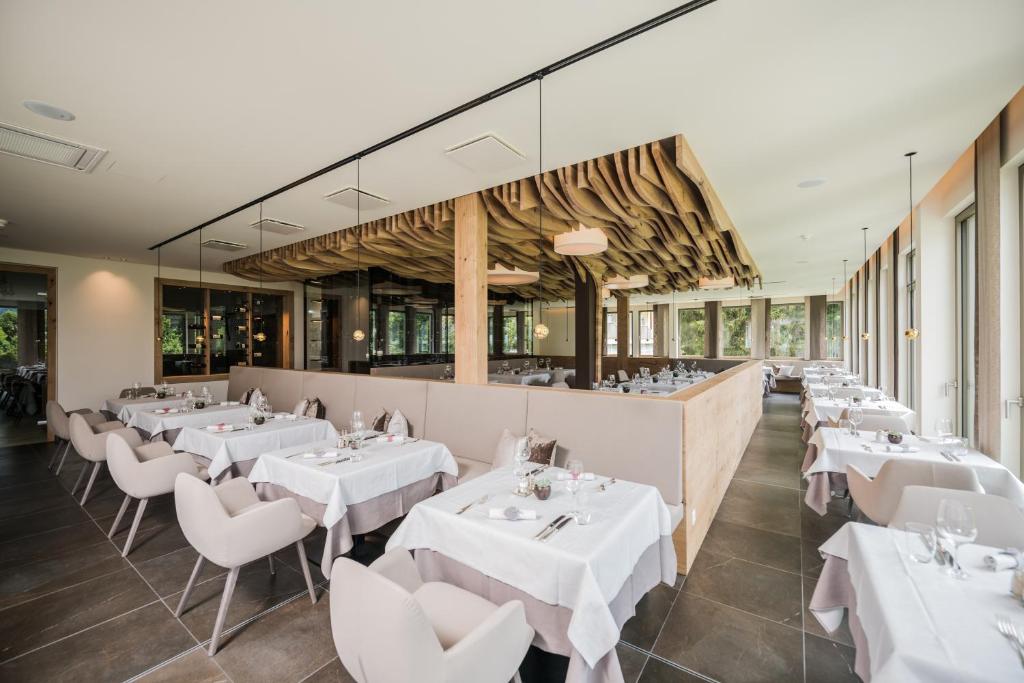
x=470, y=290
x=816, y=334
x=712, y=311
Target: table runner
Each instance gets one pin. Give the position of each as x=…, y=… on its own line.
x=229, y=449
x=916, y=622
x=581, y=568
x=831, y=450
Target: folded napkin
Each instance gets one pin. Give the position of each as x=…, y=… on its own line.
x=390, y=438
x=901, y=449
x=587, y=476
x=165, y=411
x=230, y=403
x=499, y=513
x=1000, y=561
x=325, y=454
x=219, y=428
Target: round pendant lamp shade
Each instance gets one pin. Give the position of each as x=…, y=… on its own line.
x=500, y=275
x=582, y=242
x=541, y=331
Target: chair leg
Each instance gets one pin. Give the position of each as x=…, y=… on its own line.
x=270, y=558
x=57, y=445
x=135, y=527
x=222, y=613
x=188, y=589
x=81, y=477
x=92, y=480
x=305, y=570
x=120, y=515
x=67, y=447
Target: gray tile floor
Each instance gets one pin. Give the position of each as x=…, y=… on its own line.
x=72, y=609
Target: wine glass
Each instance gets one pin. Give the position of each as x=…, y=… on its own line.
x=856, y=415
x=521, y=456
x=919, y=542
x=575, y=482
x=955, y=522
x=357, y=423
x=944, y=428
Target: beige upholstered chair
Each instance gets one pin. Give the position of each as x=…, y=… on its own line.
x=560, y=385
x=229, y=526
x=1000, y=522
x=144, y=472
x=93, y=447
x=877, y=498
x=623, y=376
x=57, y=421
x=391, y=627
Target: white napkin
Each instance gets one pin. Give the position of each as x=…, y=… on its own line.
x=230, y=403
x=325, y=454
x=165, y=411
x=1000, y=561
x=390, y=438
x=499, y=513
x=219, y=428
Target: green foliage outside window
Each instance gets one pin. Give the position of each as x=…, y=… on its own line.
x=9, y=337
x=396, y=333
x=691, y=332
x=834, y=330
x=172, y=334
x=510, y=333
x=736, y=330
x=424, y=332
x=788, y=331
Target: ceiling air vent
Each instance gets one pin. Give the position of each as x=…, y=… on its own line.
x=485, y=153
x=346, y=197
x=277, y=227
x=224, y=245
x=28, y=144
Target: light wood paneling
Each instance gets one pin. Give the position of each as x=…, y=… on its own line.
x=470, y=290
x=986, y=189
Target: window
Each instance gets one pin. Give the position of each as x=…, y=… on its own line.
x=787, y=331
x=911, y=322
x=204, y=331
x=510, y=333
x=448, y=332
x=528, y=331
x=834, y=330
x=396, y=333
x=423, y=332
x=967, y=318
x=735, y=330
x=646, y=333
x=611, y=334
x=691, y=332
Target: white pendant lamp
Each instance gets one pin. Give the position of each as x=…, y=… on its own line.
x=716, y=283
x=540, y=330
x=500, y=275
x=358, y=334
x=865, y=335
x=583, y=241
x=911, y=333
x=631, y=282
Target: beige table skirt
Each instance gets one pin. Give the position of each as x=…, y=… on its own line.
x=242, y=468
x=551, y=622
x=835, y=590
x=360, y=518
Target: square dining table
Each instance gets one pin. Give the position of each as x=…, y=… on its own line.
x=124, y=408
x=355, y=497
x=911, y=621
x=234, y=453
x=578, y=587
x=818, y=411
x=166, y=423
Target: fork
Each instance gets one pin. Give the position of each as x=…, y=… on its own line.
x=604, y=485
x=1008, y=629
x=479, y=501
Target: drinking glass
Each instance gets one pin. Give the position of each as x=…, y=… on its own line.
x=955, y=523
x=856, y=418
x=575, y=482
x=357, y=422
x=583, y=510
x=958, y=447
x=944, y=427
x=919, y=542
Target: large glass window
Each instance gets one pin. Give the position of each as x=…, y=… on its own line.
x=448, y=332
x=396, y=333
x=510, y=333
x=229, y=335
x=736, y=330
x=691, y=332
x=183, y=331
x=646, y=333
x=611, y=334
x=788, y=331
x=423, y=332
x=834, y=330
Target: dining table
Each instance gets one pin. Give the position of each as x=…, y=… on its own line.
x=232, y=449
x=579, y=586
x=166, y=422
x=524, y=377
x=818, y=411
x=355, y=495
x=912, y=621
x=821, y=390
x=124, y=409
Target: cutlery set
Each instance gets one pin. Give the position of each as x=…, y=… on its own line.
x=1013, y=634
x=479, y=501
x=949, y=456
x=553, y=528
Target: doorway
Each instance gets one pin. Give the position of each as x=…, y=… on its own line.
x=28, y=351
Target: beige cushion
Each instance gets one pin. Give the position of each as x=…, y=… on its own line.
x=452, y=611
x=505, y=453
x=398, y=424
x=541, y=448
x=379, y=423
x=314, y=408
x=300, y=407
x=470, y=469
x=391, y=393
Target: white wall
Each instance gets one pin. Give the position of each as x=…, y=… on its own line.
x=105, y=323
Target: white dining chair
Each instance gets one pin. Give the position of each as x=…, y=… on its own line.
x=623, y=377
x=58, y=422
x=230, y=526
x=92, y=446
x=444, y=634
x=143, y=472
x=1000, y=523
x=877, y=498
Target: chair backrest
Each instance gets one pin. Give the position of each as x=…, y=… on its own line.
x=122, y=461
x=202, y=517
x=83, y=438
x=879, y=500
x=57, y=420
x=1000, y=522
x=892, y=423
x=380, y=631
x=623, y=376
x=560, y=385
x=125, y=393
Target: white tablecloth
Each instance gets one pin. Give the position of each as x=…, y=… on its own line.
x=125, y=408
x=817, y=390
x=837, y=449
x=822, y=409
x=536, y=377
x=919, y=623
x=224, y=449
x=384, y=468
x=155, y=423
x=581, y=568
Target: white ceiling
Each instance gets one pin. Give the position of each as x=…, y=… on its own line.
x=204, y=106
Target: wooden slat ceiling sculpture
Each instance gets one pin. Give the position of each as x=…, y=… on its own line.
x=660, y=213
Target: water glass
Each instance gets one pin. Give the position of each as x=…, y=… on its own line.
x=955, y=523
x=958, y=447
x=583, y=511
x=575, y=482
x=856, y=418
x=944, y=427
x=919, y=542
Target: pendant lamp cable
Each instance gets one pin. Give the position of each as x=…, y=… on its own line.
x=540, y=203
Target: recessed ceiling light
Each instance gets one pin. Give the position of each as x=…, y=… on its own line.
x=48, y=110
x=811, y=182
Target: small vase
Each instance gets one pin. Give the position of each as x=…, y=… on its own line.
x=542, y=492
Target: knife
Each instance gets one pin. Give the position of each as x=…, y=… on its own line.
x=333, y=462
x=555, y=521
x=556, y=529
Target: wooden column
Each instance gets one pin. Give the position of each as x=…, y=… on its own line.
x=622, y=329
x=410, y=330
x=988, y=412
x=816, y=334
x=766, y=330
x=711, y=314
x=522, y=332
x=470, y=290
x=586, y=330
x=662, y=347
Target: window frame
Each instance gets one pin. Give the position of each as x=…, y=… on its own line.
x=803, y=350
